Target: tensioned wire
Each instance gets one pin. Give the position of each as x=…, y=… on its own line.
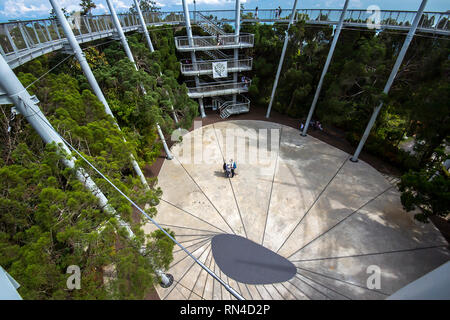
x=60, y=62
x=229, y=289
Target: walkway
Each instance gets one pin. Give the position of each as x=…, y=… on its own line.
x=22, y=41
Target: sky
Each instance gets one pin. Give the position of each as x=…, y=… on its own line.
x=36, y=9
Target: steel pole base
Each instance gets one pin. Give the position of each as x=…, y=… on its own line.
x=169, y=283
x=353, y=160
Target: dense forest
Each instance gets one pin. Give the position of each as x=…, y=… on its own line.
x=49, y=221
x=354, y=83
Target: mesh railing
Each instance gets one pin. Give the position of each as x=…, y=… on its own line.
x=207, y=25
x=241, y=103
x=211, y=41
x=23, y=35
x=207, y=66
x=221, y=86
x=431, y=21
x=29, y=34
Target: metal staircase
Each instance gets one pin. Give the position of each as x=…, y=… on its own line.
x=228, y=108
x=216, y=54
x=214, y=30
x=224, y=86
x=207, y=25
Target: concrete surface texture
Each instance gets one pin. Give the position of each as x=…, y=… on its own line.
x=340, y=223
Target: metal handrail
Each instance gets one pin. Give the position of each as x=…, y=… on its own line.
x=221, y=85
x=216, y=54
x=211, y=41
x=241, y=101
x=207, y=65
x=263, y=14
x=209, y=23
x=22, y=36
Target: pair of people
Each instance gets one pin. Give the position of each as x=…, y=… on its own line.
x=316, y=125
x=229, y=168
x=312, y=124
x=278, y=12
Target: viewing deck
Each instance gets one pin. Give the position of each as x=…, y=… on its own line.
x=22, y=41
x=209, y=43
x=206, y=67
x=223, y=88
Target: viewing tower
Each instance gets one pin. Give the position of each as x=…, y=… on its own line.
x=216, y=64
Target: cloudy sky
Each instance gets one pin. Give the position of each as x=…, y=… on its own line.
x=34, y=9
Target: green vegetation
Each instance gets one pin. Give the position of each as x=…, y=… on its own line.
x=354, y=83
x=428, y=189
x=49, y=220
x=146, y=6
x=87, y=6
x=417, y=105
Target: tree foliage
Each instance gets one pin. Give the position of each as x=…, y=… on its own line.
x=49, y=219
x=417, y=104
x=146, y=6
x=87, y=6
x=428, y=189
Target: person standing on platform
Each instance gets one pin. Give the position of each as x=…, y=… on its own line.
x=233, y=167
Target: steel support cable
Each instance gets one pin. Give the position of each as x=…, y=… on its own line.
x=273, y=285
x=198, y=276
x=206, y=278
x=58, y=64
x=320, y=292
x=369, y=254
x=189, y=269
x=231, y=290
x=179, y=208
x=271, y=188
x=300, y=290
x=180, y=227
x=314, y=203
x=231, y=185
x=343, y=281
x=328, y=288
x=344, y=219
x=246, y=287
x=195, y=182
x=287, y=289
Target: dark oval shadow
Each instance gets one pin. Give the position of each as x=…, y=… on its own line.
x=248, y=262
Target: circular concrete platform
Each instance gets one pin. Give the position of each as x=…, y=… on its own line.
x=337, y=221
